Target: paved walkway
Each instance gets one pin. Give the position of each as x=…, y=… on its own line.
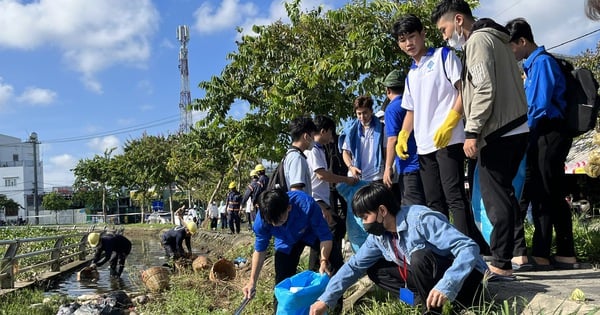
x=548, y=292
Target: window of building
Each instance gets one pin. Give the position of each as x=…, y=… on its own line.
x=15, y=157
x=10, y=181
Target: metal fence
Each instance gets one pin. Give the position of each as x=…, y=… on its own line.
x=59, y=253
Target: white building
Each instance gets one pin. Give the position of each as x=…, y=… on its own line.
x=17, y=175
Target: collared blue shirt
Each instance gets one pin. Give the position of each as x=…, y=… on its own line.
x=305, y=223
x=394, y=117
x=418, y=227
x=544, y=87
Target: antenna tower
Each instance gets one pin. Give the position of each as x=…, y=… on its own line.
x=185, y=99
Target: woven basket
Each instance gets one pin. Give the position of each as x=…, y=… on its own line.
x=87, y=273
x=223, y=270
x=201, y=263
x=156, y=279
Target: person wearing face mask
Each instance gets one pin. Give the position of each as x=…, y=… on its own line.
x=496, y=131
x=412, y=252
x=437, y=123
x=361, y=143
x=295, y=220
x=296, y=170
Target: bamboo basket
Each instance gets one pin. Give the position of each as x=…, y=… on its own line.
x=201, y=263
x=156, y=279
x=223, y=270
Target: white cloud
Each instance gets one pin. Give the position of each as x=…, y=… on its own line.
x=92, y=35
x=57, y=170
x=227, y=16
x=232, y=13
x=37, y=96
x=6, y=93
x=552, y=24
x=100, y=145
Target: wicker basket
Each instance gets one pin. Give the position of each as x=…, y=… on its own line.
x=201, y=263
x=223, y=270
x=87, y=273
x=156, y=279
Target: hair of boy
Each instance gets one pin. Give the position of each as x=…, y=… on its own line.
x=450, y=6
x=301, y=125
x=323, y=122
x=273, y=204
x=519, y=28
x=407, y=24
x=363, y=101
x=368, y=199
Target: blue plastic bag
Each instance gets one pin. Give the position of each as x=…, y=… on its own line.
x=354, y=227
x=297, y=293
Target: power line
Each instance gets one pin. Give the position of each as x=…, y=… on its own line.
x=574, y=39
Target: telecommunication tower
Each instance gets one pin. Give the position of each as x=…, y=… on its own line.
x=185, y=100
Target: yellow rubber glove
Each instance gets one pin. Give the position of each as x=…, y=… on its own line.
x=402, y=144
x=444, y=133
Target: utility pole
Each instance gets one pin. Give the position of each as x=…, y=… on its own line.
x=33, y=139
x=185, y=99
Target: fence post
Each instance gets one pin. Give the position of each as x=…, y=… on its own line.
x=83, y=247
x=7, y=265
x=55, y=254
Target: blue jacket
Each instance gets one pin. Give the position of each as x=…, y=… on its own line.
x=174, y=239
x=305, y=223
x=545, y=87
x=418, y=228
x=352, y=134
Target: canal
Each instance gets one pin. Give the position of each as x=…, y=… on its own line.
x=145, y=252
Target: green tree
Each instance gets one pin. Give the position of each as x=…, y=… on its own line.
x=10, y=206
x=55, y=202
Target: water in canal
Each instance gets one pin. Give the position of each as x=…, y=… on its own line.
x=145, y=252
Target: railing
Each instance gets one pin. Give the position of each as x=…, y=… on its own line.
x=59, y=253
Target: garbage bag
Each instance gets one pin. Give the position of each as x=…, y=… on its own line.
x=118, y=299
x=297, y=293
x=98, y=309
x=68, y=309
x=354, y=227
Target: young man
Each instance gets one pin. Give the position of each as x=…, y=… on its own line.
x=410, y=251
x=247, y=200
x=295, y=167
x=321, y=178
x=411, y=187
x=113, y=248
x=295, y=220
x=362, y=143
x=234, y=206
x=496, y=118
x=548, y=148
x=213, y=214
x=438, y=127
x=172, y=240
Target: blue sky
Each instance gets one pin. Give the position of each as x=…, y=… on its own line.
x=88, y=75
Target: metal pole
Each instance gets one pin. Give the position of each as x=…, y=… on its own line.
x=34, y=140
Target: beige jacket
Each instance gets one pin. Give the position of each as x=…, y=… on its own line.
x=493, y=95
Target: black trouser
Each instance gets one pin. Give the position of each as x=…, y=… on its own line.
x=249, y=219
x=411, y=189
x=118, y=257
x=234, y=221
x=546, y=157
x=213, y=223
x=424, y=272
x=286, y=265
x=223, y=221
x=498, y=164
x=443, y=176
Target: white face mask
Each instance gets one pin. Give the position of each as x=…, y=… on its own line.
x=457, y=41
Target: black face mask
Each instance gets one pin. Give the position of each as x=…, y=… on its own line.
x=376, y=228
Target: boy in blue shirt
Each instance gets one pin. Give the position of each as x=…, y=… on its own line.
x=295, y=220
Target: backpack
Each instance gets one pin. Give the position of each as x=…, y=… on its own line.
x=278, y=177
x=581, y=96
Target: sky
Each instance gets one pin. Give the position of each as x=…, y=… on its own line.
x=88, y=75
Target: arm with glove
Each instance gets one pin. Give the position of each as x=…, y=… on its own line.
x=442, y=136
x=402, y=141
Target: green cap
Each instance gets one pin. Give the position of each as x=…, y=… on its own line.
x=394, y=79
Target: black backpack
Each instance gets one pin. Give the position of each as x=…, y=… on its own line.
x=277, y=179
x=581, y=96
